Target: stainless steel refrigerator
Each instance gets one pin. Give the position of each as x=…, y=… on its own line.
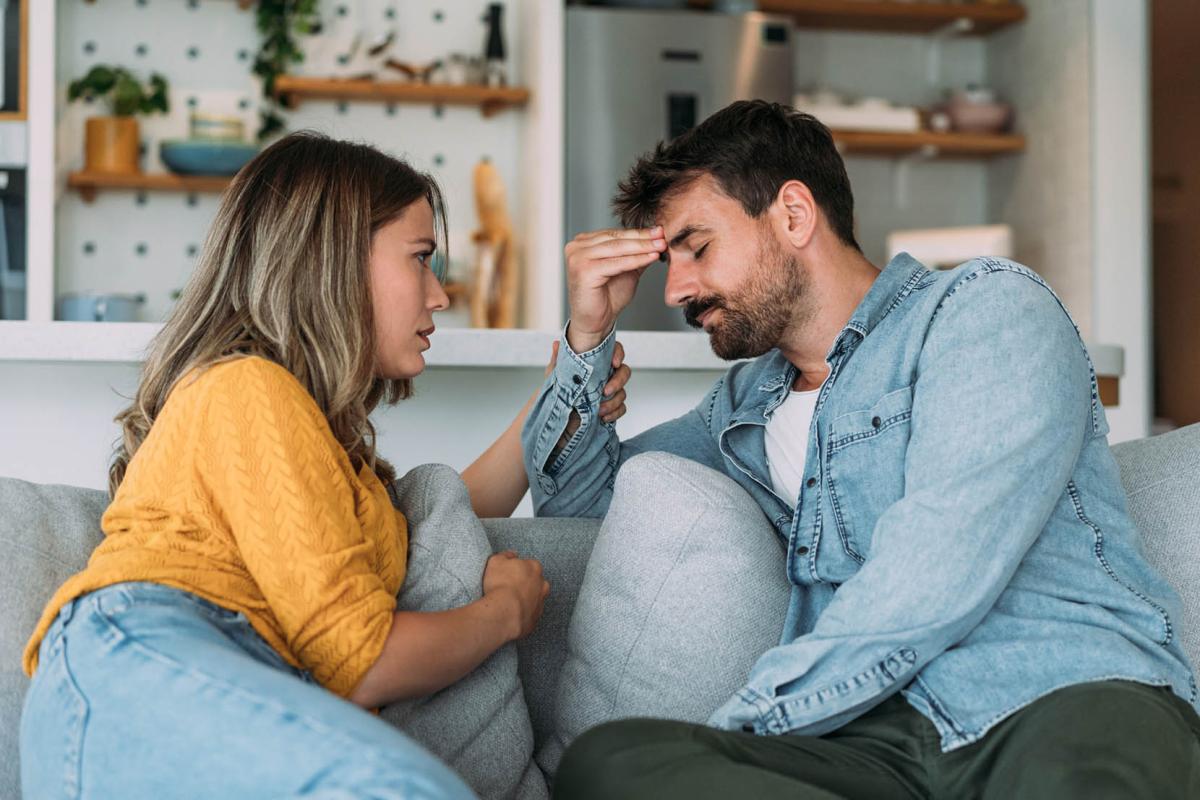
x=637, y=77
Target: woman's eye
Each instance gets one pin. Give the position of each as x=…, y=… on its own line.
x=435, y=262
x=700, y=252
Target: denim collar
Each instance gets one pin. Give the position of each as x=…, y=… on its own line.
x=894, y=283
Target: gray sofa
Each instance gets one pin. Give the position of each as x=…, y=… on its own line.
x=47, y=533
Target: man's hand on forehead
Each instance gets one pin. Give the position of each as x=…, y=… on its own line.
x=603, y=268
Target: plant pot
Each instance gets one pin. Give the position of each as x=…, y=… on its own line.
x=111, y=145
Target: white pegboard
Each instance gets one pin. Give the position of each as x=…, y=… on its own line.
x=131, y=242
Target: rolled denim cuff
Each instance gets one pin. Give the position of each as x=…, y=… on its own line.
x=577, y=382
x=580, y=377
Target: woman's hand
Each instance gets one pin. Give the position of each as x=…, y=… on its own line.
x=426, y=651
x=612, y=406
x=517, y=581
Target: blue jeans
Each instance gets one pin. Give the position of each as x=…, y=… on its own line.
x=145, y=691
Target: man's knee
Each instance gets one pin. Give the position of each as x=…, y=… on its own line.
x=602, y=763
x=1111, y=739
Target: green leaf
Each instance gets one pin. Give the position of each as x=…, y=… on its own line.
x=123, y=93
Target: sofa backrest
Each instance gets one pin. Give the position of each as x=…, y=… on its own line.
x=1161, y=475
x=46, y=535
x=48, y=532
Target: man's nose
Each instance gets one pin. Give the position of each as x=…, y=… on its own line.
x=681, y=283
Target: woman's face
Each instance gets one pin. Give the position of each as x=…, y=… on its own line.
x=404, y=292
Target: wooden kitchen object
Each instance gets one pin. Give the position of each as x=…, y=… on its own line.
x=496, y=281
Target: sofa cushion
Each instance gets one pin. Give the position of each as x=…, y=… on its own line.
x=46, y=535
x=684, y=590
x=1161, y=476
x=480, y=725
x=563, y=546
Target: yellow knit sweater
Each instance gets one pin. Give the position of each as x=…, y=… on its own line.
x=241, y=494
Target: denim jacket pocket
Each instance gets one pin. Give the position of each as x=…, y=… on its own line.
x=865, y=458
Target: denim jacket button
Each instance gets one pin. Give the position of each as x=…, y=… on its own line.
x=576, y=380
x=802, y=550
x=811, y=482
x=876, y=422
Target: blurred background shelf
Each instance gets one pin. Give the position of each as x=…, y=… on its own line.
x=242, y=4
x=127, y=342
x=293, y=90
x=88, y=184
x=934, y=145
x=881, y=16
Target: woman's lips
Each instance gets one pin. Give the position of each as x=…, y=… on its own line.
x=425, y=334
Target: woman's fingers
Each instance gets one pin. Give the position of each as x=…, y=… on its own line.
x=614, y=407
x=619, y=378
x=618, y=355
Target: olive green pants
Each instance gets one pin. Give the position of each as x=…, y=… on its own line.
x=1099, y=740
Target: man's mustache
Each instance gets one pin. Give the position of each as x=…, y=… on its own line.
x=696, y=309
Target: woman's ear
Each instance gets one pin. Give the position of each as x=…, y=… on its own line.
x=796, y=212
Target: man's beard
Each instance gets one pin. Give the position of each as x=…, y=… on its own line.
x=755, y=318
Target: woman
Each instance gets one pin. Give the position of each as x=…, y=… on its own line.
x=248, y=576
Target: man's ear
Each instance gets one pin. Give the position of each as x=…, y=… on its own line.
x=795, y=213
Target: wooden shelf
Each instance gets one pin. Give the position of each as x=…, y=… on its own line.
x=293, y=90
x=89, y=183
x=933, y=145
x=890, y=16
x=242, y=4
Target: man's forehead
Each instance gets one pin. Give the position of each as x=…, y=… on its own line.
x=700, y=204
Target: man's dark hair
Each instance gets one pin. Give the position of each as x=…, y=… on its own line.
x=750, y=148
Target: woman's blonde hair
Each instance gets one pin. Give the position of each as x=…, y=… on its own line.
x=284, y=275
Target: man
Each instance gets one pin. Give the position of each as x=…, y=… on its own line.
x=971, y=615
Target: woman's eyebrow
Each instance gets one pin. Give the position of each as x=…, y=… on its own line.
x=425, y=241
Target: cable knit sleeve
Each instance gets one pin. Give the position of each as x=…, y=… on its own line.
x=287, y=491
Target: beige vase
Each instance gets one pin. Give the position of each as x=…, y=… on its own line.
x=111, y=144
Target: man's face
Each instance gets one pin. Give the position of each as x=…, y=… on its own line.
x=729, y=272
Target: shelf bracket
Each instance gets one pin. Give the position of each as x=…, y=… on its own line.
x=902, y=177
x=933, y=64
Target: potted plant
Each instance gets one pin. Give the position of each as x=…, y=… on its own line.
x=112, y=142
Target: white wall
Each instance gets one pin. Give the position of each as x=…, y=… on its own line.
x=56, y=419
x=1121, y=204
x=1044, y=66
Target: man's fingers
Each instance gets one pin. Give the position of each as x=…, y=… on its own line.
x=613, y=248
x=621, y=233
x=612, y=267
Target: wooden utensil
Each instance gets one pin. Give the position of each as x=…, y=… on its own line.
x=497, y=279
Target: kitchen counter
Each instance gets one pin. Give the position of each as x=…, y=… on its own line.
x=125, y=342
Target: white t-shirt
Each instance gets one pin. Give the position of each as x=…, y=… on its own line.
x=787, y=442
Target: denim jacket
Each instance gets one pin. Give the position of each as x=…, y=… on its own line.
x=961, y=534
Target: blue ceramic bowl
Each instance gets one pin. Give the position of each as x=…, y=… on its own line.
x=198, y=157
